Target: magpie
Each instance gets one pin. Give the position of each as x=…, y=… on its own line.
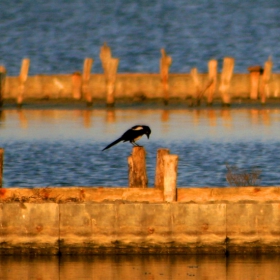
x=132, y=135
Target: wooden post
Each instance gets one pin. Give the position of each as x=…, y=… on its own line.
x=197, y=84
x=165, y=63
x=226, y=76
x=110, y=68
x=85, y=80
x=170, y=177
x=159, y=176
x=212, y=80
x=105, y=55
x=137, y=168
x=266, y=77
x=77, y=85
x=22, y=80
x=1, y=166
x=255, y=72
x=2, y=83
x=111, y=74
x=210, y=84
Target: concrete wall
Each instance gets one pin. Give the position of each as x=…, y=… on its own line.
x=134, y=86
x=86, y=220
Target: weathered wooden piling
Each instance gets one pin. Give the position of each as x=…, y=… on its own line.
x=170, y=163
x=22, y=80
x=255, y=72
x=105, y=55
x=265, y=80
x=1, y=166
x=137, y=175
x=226, y=75
x=209, y=86
x=159, y=174
x=165, y=63
x=198, y=86
x=85, y=80
x=110, y=68
x=77, y=85
x=212, y=80
x=2, y=83
x=111, y=74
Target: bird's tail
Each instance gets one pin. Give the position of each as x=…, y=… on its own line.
x=113, y=143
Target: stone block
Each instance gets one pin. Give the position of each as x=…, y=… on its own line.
x=26, y=227
x=253, y=227
x=87, y=227
x=200, y=227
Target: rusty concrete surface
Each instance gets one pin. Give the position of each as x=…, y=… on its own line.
x=117, y=220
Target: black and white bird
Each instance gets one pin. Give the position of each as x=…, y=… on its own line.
x=132, y=135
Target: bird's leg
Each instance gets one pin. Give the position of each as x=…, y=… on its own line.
x=135, y=144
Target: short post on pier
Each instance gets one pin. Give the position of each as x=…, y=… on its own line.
x=165, y=63
x=137, y=174
x=226, y=75
x=111, y=80
x=77, y=85
x=85, y=80
x=170, y=177
x=2, y=83
x=110, y=68
x=198, y=86
x=159, y=175
x=212, y=80
x=22, y=80
x=266, y=78
x=255, y=72
x=1, y=166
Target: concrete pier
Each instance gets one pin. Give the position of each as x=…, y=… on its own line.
x=132, y=86
x=235, y=220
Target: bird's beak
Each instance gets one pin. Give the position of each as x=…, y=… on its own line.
x=148, y=136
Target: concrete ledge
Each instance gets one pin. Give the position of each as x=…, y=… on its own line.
x=229, y=195
x=80, y=194
x=110, y=194
x=205, y=220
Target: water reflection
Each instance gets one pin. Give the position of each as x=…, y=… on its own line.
x=227, y=118
x=154, y=267
x=65, y=145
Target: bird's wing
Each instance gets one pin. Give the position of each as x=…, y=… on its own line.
x=133, y=133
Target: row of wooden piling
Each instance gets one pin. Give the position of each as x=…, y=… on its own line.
x=81, y=82
x=165, y=175
x=259, y=79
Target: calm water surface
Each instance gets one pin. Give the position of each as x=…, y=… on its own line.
x=58, y=35
x=156, y=267
x=63, y=147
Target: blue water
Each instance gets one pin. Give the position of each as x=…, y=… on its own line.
x=58, y=35
x=63, y=147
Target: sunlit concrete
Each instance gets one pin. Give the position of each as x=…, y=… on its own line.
x=83, y=221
